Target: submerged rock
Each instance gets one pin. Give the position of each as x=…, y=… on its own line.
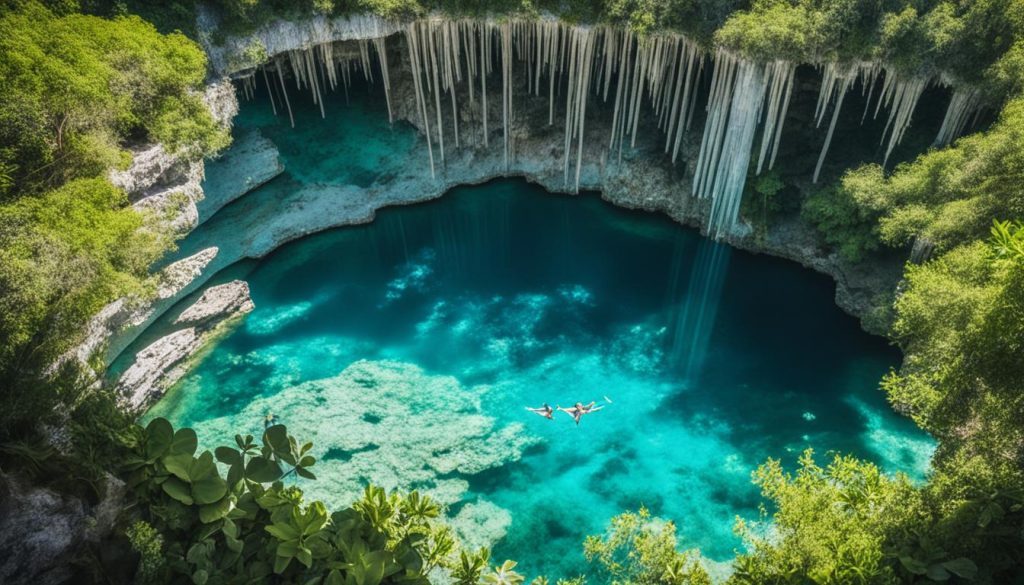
x=386, y=423
x=481, y=524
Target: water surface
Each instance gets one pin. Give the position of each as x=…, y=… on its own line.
x=707, y=360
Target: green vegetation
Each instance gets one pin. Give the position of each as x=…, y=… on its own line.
x=78, y=88
x=245, y=526
x=641, y=550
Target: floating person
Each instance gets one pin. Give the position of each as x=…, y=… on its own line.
x=579, y=409
x=546, y=411
x=270, y=420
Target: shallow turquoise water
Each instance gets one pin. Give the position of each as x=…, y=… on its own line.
x=713, y=359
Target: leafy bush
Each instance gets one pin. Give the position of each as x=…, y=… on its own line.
x=75, y=87
x=641, y=550
x=831, y=524
x=248, y=525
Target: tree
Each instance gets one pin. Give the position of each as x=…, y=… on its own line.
x=640, y=550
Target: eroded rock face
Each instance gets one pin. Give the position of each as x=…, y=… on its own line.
x=165, y=187
x=236, y=54
x=217, y=301
x=221, y=100
x=251, y=161
x=38, y=529
x=165, y=361
x=115, y=322
x=41, y=530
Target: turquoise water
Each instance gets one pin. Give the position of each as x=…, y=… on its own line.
x=408, y=348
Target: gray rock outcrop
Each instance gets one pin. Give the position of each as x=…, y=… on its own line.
x=41, y=530
x=162, y=363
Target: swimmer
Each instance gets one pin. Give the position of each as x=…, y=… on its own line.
x=579, y=409
x=270, y=420
x=545, y=411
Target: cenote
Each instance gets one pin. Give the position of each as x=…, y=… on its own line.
x=408, y=348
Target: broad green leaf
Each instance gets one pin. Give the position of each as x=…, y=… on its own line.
x=262, y=470
x=334, y=578
x=179, y=465
x=159, y=434
x=281, y=564
x=277, y=438
x=962, y=567
x=304, y=556
x=215, y=511
x=305, y=473
x=196, y=553
x=200, y=577
x=207, y=485
x=184, y=442
x=227, y=455
x=937, y=573
x=287, y=548
x=283, y=531
x=178, y=490
x=236, y=473
x=913, y=565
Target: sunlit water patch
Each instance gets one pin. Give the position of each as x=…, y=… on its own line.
x=408, y=349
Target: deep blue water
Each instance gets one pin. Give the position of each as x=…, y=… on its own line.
x=713, y=359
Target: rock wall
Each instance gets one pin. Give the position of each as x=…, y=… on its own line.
x=642, y=177
x=165, y=361
x=41, y=529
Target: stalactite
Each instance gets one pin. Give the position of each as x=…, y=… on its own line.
x=714, y=127
x=618, y=110
x=738, y=90
x=506, y=85
x=683, y=104
x=836, y=82
x=580, y=66
x=413, y=44
x=485, y=68
x=430, y=59
x=901, y=97
x=270, y=93
x=869, y=74
x=780, y=76
x=327, y=58
x=284, y=90
x=385, y=76
x=731, y=173
x=965, y=102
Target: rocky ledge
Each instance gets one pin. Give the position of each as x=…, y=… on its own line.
x=165, y=361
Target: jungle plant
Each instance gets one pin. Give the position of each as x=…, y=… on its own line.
x=250, y=526
x=639, y=549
